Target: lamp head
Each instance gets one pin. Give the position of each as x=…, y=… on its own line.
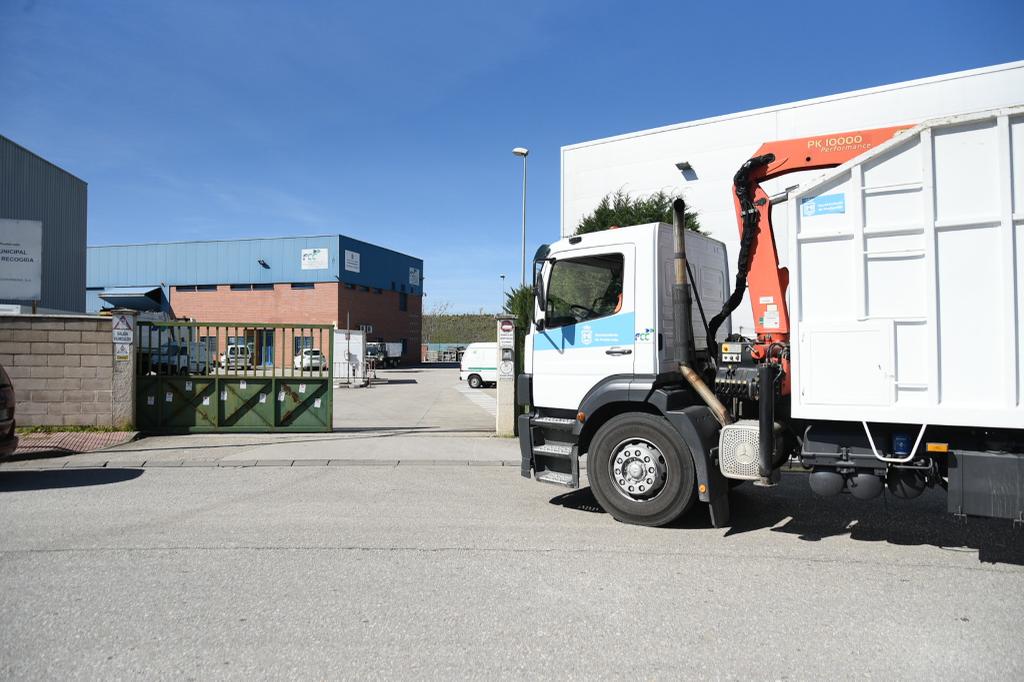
x=520, y=151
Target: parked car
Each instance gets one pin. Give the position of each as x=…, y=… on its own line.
x=8, y=439
x=236, y=356
x=310, y=358
x=479, y=364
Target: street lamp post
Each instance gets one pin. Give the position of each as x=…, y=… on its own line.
x=502, y=306
x=523, y=152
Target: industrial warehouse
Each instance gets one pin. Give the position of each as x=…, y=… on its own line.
x=317, y=280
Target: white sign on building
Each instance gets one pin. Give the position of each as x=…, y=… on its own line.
x=314, y=259
x=21, y=260
x=352, y=261
x=414, y=276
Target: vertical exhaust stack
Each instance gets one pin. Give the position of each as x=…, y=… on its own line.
x=683, y=322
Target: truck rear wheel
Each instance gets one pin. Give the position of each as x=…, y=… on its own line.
x=475, y=381
x=640, y=471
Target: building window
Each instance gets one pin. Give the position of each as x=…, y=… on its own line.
x=206, y=287
x=262, y=287
x=302, y=285
x=241, y=287
x=350, y=286
x=378, y=291
x=185, y=288
x=363, y=288
x=403, y=287
x=300, y=342
x=403, y=302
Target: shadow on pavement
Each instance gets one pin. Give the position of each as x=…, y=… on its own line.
x=792, y=509
x=18, y=481
x=391, y=381
x=580, y=500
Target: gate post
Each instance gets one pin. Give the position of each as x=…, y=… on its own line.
x=123, y=388
x=505, y=420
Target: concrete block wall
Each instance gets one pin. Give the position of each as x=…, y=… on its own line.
x=61, y=367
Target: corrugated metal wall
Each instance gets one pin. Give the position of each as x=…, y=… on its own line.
x=238, y=262
x=32, y=188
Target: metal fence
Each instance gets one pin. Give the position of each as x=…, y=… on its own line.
x=198, y=377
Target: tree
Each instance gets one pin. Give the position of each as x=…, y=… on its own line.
x=619, y=209
x=519, y=302
x=432, y=321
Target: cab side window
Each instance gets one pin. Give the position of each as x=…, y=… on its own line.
x=581, y=289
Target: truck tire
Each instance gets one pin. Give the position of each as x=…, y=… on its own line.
x=640, y=470
x=475, y=381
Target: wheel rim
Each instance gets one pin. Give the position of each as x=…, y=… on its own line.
x=638, y=469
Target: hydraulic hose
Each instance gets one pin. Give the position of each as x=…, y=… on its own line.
x=751, y=217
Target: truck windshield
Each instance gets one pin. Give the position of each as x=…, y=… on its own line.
x=581, y=289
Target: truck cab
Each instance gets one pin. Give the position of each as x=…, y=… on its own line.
x=601, y=348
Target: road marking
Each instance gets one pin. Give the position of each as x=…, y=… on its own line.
x=479, y=398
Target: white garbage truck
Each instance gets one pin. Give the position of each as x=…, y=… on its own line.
x=888, y=356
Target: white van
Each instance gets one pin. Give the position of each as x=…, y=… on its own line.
x=479, y=364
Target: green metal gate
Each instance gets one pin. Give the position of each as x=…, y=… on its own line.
x=197, y=377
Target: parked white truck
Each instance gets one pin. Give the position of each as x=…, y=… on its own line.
x=889, y=356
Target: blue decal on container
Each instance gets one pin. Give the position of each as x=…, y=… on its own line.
x=824, y=205
x=616, y=330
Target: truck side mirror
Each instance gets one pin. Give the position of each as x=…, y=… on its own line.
x=539, y=293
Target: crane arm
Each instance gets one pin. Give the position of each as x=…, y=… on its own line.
x=758, y=263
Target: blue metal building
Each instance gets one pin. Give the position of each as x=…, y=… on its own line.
x=325, y=279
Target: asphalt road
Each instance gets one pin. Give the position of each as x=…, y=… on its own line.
x=471, y=571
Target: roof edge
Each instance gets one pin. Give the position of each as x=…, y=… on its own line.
x=954, y=75
x=44, y=160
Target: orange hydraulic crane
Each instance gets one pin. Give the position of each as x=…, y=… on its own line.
x=758, y=258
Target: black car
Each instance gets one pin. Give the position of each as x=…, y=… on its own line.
x=8, y=441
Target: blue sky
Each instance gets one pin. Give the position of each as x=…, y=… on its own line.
x=394, y=123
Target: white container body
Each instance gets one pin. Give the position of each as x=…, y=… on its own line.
x=907, y=279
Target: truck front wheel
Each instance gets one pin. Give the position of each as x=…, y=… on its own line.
x=640, y=471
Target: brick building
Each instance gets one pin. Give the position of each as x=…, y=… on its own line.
x=294, y=280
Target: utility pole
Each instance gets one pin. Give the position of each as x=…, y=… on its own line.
x=523, y=152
